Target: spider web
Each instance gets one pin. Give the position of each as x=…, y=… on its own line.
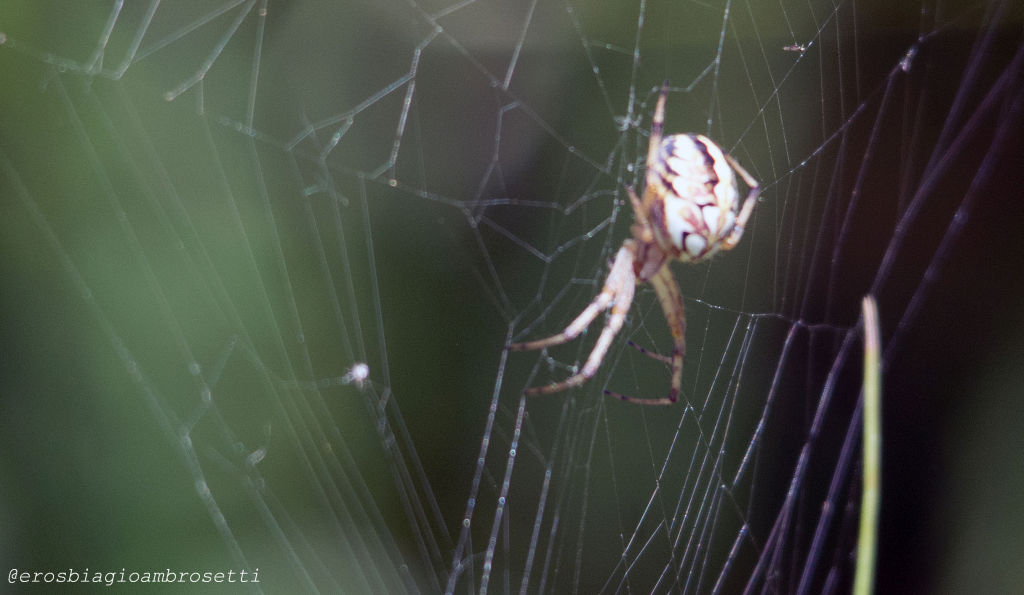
x=216, y=213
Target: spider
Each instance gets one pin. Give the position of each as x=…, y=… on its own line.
x=689, y=211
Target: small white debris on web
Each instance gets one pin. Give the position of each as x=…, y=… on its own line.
x=357, y=375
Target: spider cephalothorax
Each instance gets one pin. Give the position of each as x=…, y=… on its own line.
x=688, y=212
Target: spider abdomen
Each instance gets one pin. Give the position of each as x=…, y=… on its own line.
x=698, y=189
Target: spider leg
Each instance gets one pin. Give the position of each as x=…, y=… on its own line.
x=675, y=315
x=651, y=354
x=748, y=205
x=655, y=143
x=617, y=293
x=639, y=214
x=623, y=300
x=621, y=267
x=643, y=231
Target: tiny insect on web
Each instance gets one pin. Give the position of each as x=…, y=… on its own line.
x=689, y=211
